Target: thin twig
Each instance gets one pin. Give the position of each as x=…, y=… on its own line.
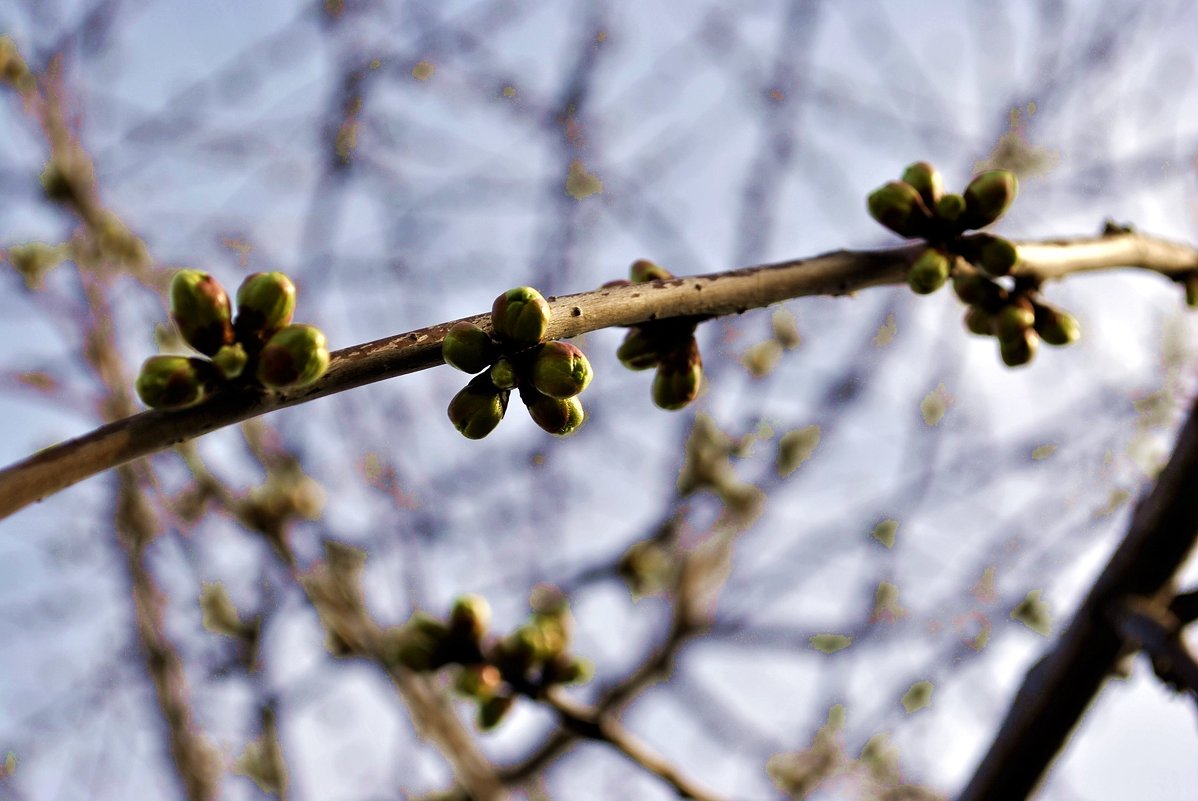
x=716, y=294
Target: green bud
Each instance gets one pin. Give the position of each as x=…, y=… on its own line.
x=471, y=615
x=929, y=272
x=1019, y=350
x=478, y=681
x=294, y=356
x=643, y=271
x=416, y=649
x=926, y=180
x=503, y=374
x=950, y=208
x=558, y=416
x=567, y=669
x=1191, y=283
x=991, y=254
x=230, y=361
x=1056, y=327
x=988, y=196
x=468, y=348
x=560, y=370
x=521, y=316
x=638, y=351
x=265, y=303
x=899, y=207
x=478, y=408
x=1014, y=319
x=978, y=290
x=201, y=311
x=678, y=379
x=979, y=321
x=492, y=710
x=171, y=382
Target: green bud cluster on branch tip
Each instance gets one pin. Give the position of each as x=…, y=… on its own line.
x=1019, y=319
x=492, y=669
x=668, y=345
x=261, y=344
x=548, y=375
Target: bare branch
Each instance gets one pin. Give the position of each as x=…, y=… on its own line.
x=716, y=294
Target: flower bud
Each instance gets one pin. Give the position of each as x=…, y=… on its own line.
x=1019, y=350
x=471, y=615
x=678, y=379
x=171, y=382
x=558, y=416
x=991, y=254
x=230, y=361
x=926, y=180
x=643, y=271
x=929, y=272
x=560, y=370
x=1056, y=327
x=492, y=711
x=638, y=351
x=468, y=348
x=478, y=408
x=567, y=669
x=201, y=311
x=979, y=321
x=504, y=375
x=950, y=208
x=1014, y=319
x=978, y=290
x=294, y=356
x=899, y=207
x=478, y=681
x=988, y=196
x=521, y=316
x=417, y=650
x=265, y=303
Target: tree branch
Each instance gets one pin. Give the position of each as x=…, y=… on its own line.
x=716, y=294
x=1059, y=688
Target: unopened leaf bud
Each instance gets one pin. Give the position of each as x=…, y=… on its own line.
x=171, y=382
x=929, y=272
x=560, y=370
x=992, y=254
x=926, y=180
x=1019, y=350
x=979, y=321
x=294, y=356
x=521, y=316
x=950, y=208
x=1014, y=319
x=678, y=381
x=978, y=290
x=898, y=206
x=471, y=615
x=1056, y=327
x=503, y=374
x=988, y=197
x=265, y=303
x=643, y=271
x=567, y=669
x=558, y=416
x=638, y=351
x=230, y=361
x=468, y=348
x=478, y=408
x=492, y=711
x=201, y=311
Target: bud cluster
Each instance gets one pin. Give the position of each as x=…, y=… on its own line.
x=491, y=669
x=917, y=207
x=260, y=342
x=1018, y=318
x=667, y=345
x=548, y=375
